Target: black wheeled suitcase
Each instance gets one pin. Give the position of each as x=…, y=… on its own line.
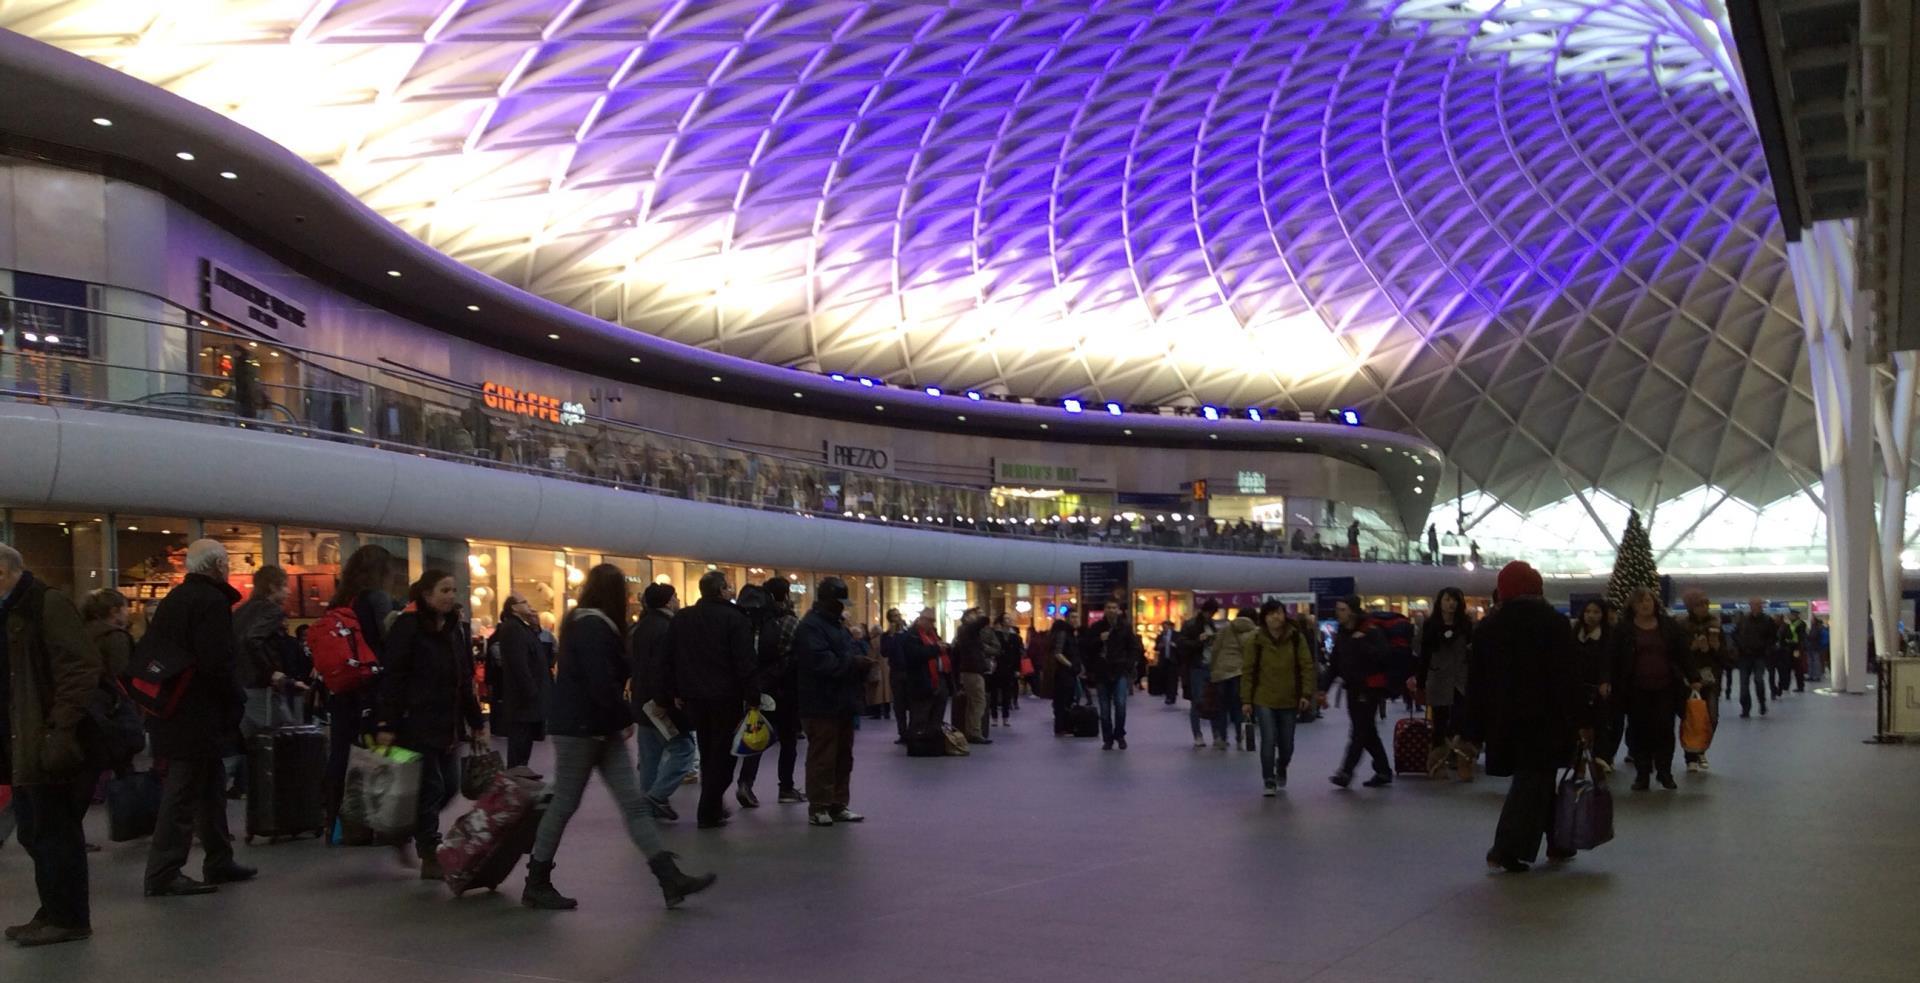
x=1083, y=720
x=286, y=769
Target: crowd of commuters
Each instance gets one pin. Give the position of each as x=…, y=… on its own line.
x=1524, y=686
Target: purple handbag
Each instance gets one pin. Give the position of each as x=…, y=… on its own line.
x=1582, y=810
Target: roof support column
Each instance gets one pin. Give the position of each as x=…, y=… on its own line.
x=1832, y=310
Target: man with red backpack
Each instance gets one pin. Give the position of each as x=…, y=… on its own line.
x=189, y=648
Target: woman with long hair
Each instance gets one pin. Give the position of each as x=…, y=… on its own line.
x=1440, y=678
x=589, y=723
x=362, y=587
x=1651, y=652
x=1596, y=646
x=424, y=696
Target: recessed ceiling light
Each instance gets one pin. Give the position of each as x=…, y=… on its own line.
x=798, y=395
x=634, y=359
x=393, y=272
x=229, y=175
x=1045, y=427
x=184, y=155
x=473, y=307
x=878, y=408
x=552, y=337
x=962, y=418
x=1213, y=436
x=102, y=121
x=1299, y=440
x=716, y=378
x=1127, y=432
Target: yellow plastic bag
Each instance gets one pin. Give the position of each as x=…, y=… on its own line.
x=1696, y=726
x=753, y=736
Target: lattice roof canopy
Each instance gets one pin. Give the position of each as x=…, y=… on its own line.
x=1538, y=234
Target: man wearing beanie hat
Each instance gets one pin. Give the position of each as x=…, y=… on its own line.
x=832, y=689
x=1523, y=710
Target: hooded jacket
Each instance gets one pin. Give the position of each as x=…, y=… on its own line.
x=426, y=692
x=1280, y=670
x=1230, y=649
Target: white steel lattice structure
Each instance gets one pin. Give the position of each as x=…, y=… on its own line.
x=1541, y=237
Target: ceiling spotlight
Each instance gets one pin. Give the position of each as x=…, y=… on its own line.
x=393, y=272
x=1213, y=436
x=877, y=408
x=473, y=307
x=1114, y=409
x=1210, y=413
x=1254, y=415
x=1127, y=432
x=1350, y=417
x=798, y=395
x=229, y=175
x=716, y=378
x=1071, y=405
x=635, y=359
x=1417, y=489
x=932, y=390
x=973, y=395
x=553, y=337
x=184, y=155
x=1044, y=427
x=837, y=377
x=102, y=121
x=866, y=382
x=962, y=418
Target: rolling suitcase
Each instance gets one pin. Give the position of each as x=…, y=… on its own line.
x=926, y=743
x=1412, y=743
x=286, y=769
x=484, y=846
x=1157, y=679
x=1083, y=721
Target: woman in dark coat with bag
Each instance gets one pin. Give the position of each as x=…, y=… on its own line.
x=425, y=695
x=1524, y=680
x=590, y=722
x=522, y=680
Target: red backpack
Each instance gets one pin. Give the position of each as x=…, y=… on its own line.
x=340, y=652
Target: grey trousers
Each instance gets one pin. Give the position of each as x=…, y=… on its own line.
x=576, y=758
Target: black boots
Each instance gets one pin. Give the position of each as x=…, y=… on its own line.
x=675, y=885
x=540, y=892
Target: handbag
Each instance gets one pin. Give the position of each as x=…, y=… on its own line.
x=1696, y=726
x=753, y=736
x=382, y=790
x=477, y=770
x=1582, y=809
x=133, y=805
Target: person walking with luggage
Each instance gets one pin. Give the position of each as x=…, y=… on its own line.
x=523, y=680
x=1754, y=636
x=1226, y=664
x=262, y=643
x=773, y=647
x=193, y=627
x=1114, y=672
x=927, y=679
x=714, y=678
x=424, y=697
x=1702, y=665
x=1440, y=676
x=1279, y=679
x=1652, y=650
x=1523, y=696
x=1196, y=638
x=1063, y=660
x=360, y=597
x=590, y=723
x=664, y=761
x=48, y=672
x=1359, y=663
x=832, y=681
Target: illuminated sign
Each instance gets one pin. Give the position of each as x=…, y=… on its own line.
x=238, y=299
x=530, y=404
x=1042, y=475
x=1250, y=483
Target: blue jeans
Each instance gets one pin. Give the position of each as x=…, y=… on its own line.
x=664, y=764
x=1113, y=709
x=1753, y=678
x=1230, y=712
x=1276, y=741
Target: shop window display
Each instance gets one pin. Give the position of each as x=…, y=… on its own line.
x=65, y=550
x=311, y=558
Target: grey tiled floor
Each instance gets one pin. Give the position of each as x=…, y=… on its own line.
x=1048, y=860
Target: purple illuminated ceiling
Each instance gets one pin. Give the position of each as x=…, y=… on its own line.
x=1539, y=237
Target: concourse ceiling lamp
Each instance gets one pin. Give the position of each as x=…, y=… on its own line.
x=1550, y=111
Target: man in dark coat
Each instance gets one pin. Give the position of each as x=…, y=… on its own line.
x=1523, y=710
x=713, y=676
x=521, y=681
x=832, y=683
x=194, y=625
x=663, y=761
x=48, y=670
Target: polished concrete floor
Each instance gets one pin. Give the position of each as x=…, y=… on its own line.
x=1048, y=860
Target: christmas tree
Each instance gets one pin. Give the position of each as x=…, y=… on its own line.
x=1633, y=567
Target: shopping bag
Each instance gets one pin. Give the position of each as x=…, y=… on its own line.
x=1582, y=810
x=382, y=790
x=477, y=771
x=753, y=736
x=133, y=805
x=1696, y=726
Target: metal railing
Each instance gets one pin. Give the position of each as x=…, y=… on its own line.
x=324, y=396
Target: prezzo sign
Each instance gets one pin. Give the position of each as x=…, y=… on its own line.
x=236, y=298
x=858, y=458
x=530, y=404
x=1035, y=474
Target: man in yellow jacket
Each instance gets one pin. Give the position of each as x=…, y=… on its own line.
x=1279, y=680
